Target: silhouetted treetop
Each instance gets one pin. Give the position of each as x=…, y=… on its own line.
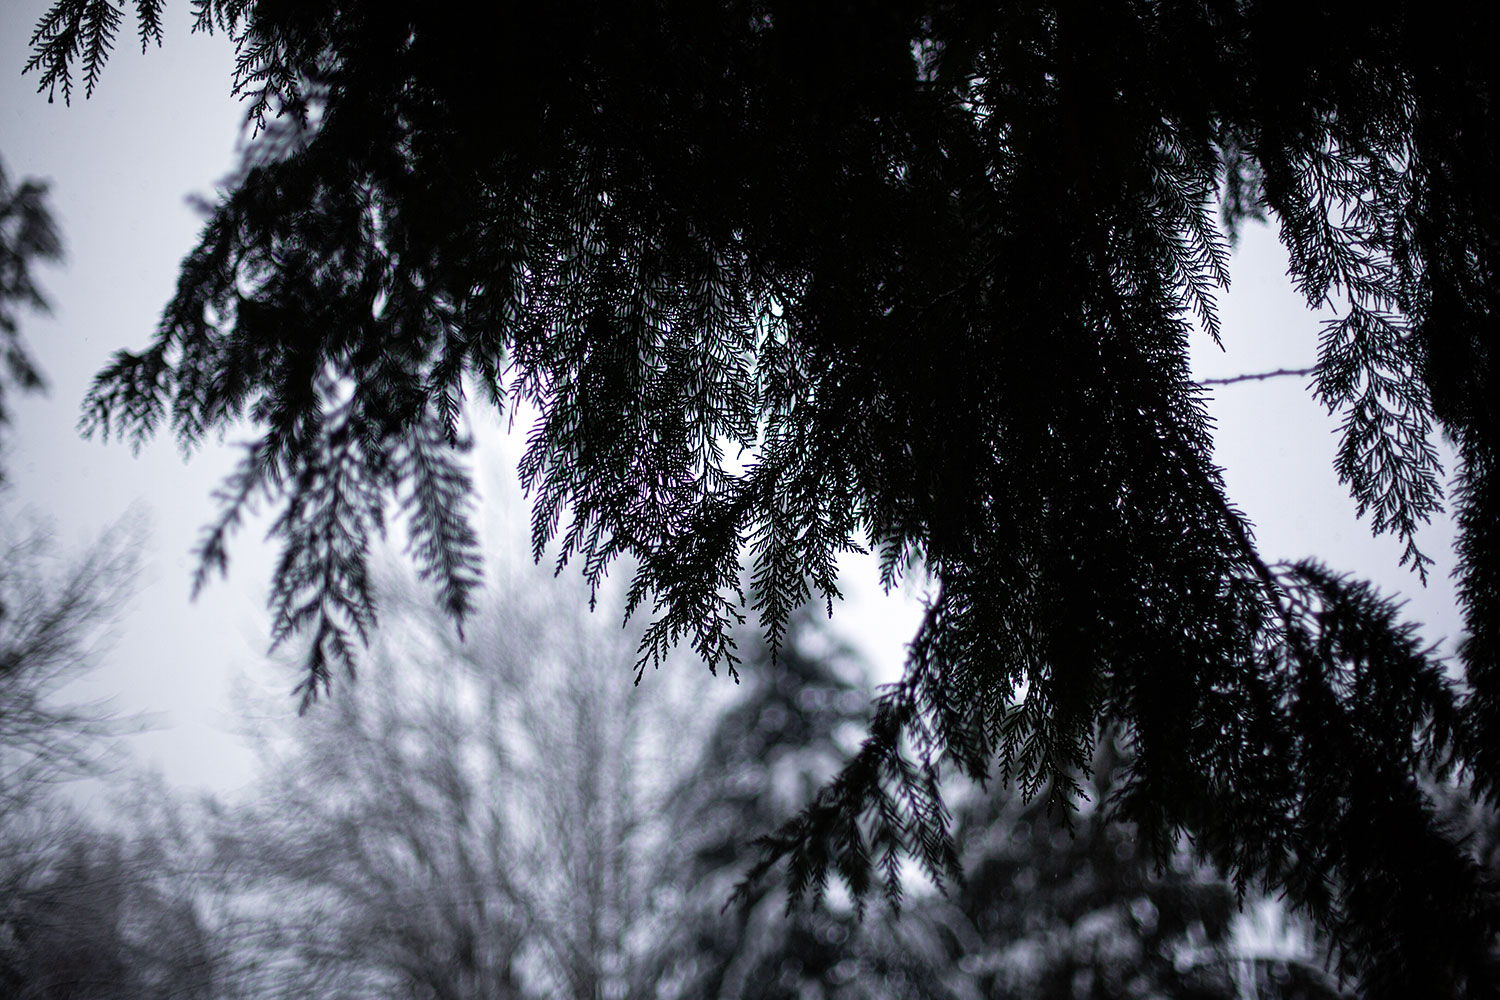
x=796, y=278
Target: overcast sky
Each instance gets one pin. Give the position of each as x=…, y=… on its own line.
x=163, y=126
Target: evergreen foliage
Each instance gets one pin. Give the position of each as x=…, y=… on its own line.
x=27, y=235
x=915, y=276
x=1070, y=906
x=768, y=752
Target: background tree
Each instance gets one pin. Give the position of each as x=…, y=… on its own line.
x=28, y=236
x=920, y=278
x=83, y=913
x=56, y=612
x=103, y=917
x=1055, y=904
x=472, y=820
x=1071, y=906
x=791, y=726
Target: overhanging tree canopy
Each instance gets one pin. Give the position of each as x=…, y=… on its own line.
x=798, y=277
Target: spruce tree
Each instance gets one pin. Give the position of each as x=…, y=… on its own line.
x=916, y=276
x=768, y=751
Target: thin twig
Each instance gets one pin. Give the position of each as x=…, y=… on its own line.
x=1258, y=376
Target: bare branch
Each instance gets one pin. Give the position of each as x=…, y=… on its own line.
x=1259, y=376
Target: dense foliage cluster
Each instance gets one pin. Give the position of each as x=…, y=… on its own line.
x=795, y=278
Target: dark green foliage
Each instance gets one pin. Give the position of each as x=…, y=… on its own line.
x=767, y=753
x=85, y=31
x=27, y=235
x=1058, y=906
x=919, y=277
x=1054, y=906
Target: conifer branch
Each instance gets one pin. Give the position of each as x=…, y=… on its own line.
x=951, y=320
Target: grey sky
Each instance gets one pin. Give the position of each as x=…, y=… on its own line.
x=160, y=126
x=163, y=125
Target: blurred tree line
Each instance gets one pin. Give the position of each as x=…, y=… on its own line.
x=510, y=817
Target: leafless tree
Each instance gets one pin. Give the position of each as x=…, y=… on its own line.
x=467, y=820
x=56, y=611
x=100, y=916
